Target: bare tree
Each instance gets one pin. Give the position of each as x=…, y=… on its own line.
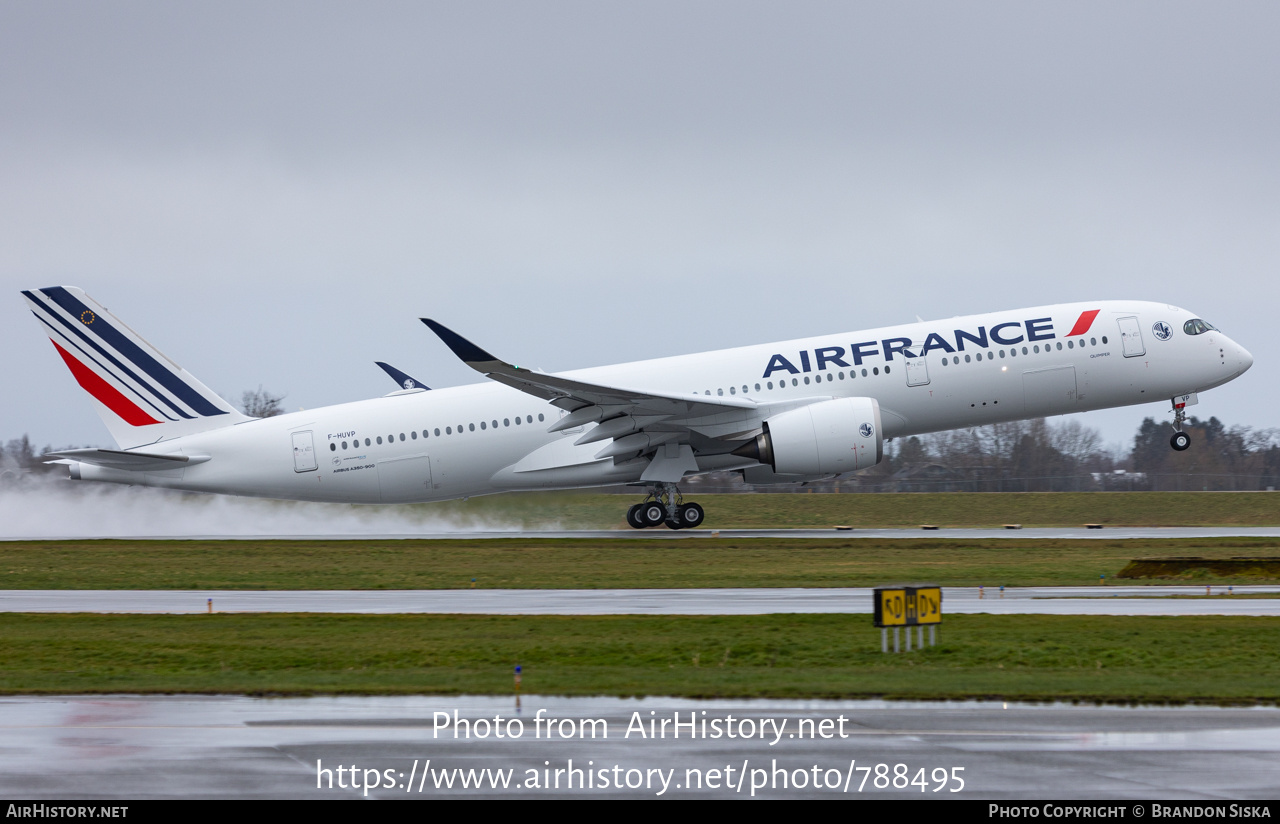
x=1079, y=444
x=261, y=403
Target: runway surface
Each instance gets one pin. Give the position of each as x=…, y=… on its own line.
x=123, y=747
x=1097, y=600
x=1109, y=533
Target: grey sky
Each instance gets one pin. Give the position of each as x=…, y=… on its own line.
x=273, y=193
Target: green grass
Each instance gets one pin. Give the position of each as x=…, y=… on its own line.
x=572, y=510
x=592, y=563
x=1160, y=659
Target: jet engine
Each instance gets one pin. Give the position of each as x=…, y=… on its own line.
x=824, y=438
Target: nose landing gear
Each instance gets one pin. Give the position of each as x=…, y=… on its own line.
x=665, y=505
x=1180, y=440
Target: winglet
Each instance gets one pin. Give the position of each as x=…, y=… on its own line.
x=468, y=352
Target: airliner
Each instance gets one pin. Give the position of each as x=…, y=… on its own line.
x=779, y=413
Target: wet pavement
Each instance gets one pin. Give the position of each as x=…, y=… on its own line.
x=830, y=533
x=129, y=747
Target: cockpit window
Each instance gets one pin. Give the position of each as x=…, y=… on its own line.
x=1195, y=326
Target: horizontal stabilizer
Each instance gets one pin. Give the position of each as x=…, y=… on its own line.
x=127, y=461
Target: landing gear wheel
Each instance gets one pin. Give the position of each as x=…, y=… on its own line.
x=1180, y=441
x=633, y=517
x=652, y=513
x=690, y=516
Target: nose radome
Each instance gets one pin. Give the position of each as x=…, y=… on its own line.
x=1246, y=359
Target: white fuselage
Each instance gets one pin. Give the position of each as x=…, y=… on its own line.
x=486, y=438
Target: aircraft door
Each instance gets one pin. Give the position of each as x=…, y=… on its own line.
x=917, y=371
x=304, y=452
x=1131, y=338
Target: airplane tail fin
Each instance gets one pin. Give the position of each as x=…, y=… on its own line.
x=141, y=395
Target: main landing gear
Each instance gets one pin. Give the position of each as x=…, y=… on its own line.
x=665, y=505
x=1180, y=440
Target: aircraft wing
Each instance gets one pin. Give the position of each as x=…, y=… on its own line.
x=572, y=395
x=637, y=421
x=402, y=379
x=128, y=461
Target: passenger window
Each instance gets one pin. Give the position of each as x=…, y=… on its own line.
x=733, y=391
x=506, y=421
x=379, y=440
x=333, y=447
x=1104, y=339
x=1071, y=344
x=757, y=387
x=539, y=417
x=966, y=359
x=944, y=361
x=437, y=433
x=795, y=382
x=344, y=444
x=1093, y=341
x=770, y=384
x=886, y=370
x=494, y=424
x=806, y=380
x=1037, y=348
x=1024, y=350
x=864, y=373
x=448, y=430
x=482, y=426
x=841, y=375
x=720, y=391
x=414, y=435
x=471, y=427
x=1059, y=346
x=1002, y=353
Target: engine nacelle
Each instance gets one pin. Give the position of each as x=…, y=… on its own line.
x=824, y=438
